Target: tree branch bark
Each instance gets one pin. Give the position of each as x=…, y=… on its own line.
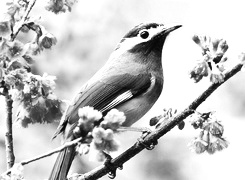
x=9, y=133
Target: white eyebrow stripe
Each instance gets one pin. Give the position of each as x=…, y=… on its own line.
x=129, y=43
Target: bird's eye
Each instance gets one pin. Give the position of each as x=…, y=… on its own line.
x=144, y=34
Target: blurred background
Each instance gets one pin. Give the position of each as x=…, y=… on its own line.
x=86, y=37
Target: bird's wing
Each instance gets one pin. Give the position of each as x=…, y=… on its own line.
x=105, y=94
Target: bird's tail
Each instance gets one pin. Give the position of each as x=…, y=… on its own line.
x=63, y=164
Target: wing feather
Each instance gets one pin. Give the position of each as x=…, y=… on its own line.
x=105, y=95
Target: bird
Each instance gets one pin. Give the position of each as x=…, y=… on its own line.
x=131, y=81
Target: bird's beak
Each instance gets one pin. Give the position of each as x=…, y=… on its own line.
x=167, y=29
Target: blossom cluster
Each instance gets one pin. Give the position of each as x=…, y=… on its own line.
x=59, y=6
x=212, y=63
x=34, y=94
x=17, y=173
x=99, y=133
x=211, y=137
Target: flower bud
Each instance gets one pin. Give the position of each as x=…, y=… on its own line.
x=181, y=125
x=221, y=144
x=77, y=131
x=89, y=113
x=17, y=171
x=155, y=120
x=24, y=29
x=55, y=6
x=196, y=39
x=113, y=119
x=33, y=48
x=216, y=128
x=217, y=78
x=200, y=70
x=83, y=149
x=47, y=41
x=198, y=146
x=212, y=147
x=215, y=43
x=15, y=49
x=222, y=48
x=5, y=28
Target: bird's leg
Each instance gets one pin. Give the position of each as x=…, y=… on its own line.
x=110, y=166
x=147, y=146
x=145, y=131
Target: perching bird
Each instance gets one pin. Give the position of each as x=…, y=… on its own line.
x=130, y=81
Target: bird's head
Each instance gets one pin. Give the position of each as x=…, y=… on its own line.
x=145, y=38
x=143, y=44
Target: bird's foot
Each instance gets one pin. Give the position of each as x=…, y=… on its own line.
x=110, y=166
x=147, y=146
x=145, y=132
x=143, y=136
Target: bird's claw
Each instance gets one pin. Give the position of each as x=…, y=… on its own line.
x=110, y=166
x=145, y=132
x=143, y=136
x=147, y=146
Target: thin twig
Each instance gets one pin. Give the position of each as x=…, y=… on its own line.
x=158, y=133
x=9, y=133
x=18, y=27
x=66, y=145
x=49, y=153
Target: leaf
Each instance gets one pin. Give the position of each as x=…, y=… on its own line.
x=28, y=59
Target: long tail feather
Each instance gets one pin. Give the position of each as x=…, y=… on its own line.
x=63, y=164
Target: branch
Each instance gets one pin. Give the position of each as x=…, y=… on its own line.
x=18, y=27
x=158, y=133
x=9, y=133
x=138, y=146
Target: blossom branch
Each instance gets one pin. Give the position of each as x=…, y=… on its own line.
x=159, y=132
x=9, y=101
x=18, y=27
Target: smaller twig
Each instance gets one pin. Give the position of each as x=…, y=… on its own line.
x=9, y=133
x=49, y=153
x=66, y=145
x=22, y=21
